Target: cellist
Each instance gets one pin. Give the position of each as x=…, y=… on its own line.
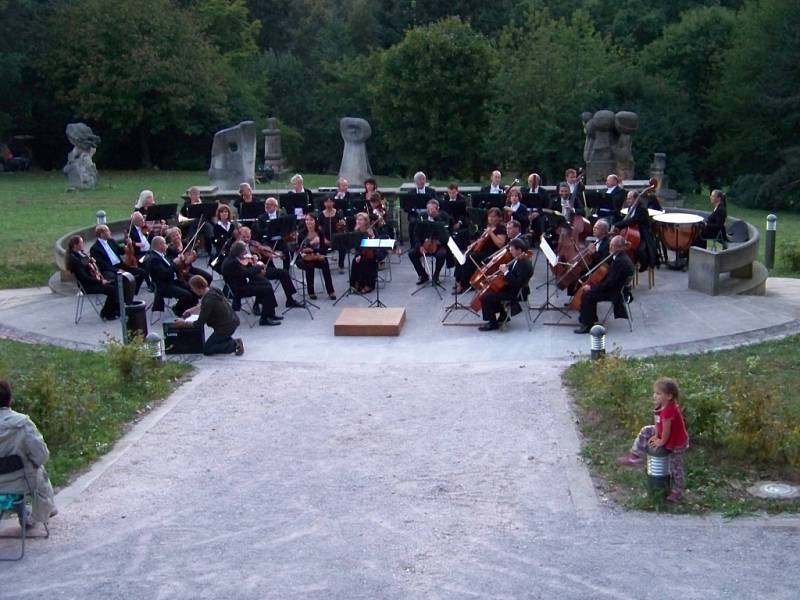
x=491, y=240
x=516, y=276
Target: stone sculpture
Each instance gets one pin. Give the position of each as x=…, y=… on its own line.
x=273, y=153
x=80, y=169
x=233, y=156
x=355, y=162
x=607, y=148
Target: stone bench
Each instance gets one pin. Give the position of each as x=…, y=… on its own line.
x=731, y=270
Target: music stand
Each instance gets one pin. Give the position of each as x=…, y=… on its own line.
x=461, y=258
x=250, y=211
x=602, y=207
x=295, y=204
x=161, y=212
x=377, y=243
x=351, y=206
x=536, y=202
x=430, y=230
x=552, y=260
x=205, y=209
x=348, y=242
x=305, y=303
x=487, y=201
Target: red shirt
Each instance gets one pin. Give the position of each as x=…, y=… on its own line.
x=678, y=437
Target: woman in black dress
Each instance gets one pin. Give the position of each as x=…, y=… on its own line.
x=364, y=270
x=331, y=222
x=312, y=254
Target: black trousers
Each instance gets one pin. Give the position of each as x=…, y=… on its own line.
x=111, y=306
x=283, y=276
x=589, y=302
x=492, y=303
x=262, y=292
x=310, y=266
x=184, y=297
x=219, y=343
x=415, y=256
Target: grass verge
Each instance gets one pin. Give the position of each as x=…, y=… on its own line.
x=82, y=402
x=742, y=413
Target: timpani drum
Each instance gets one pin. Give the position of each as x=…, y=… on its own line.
x=651, y=211
x=678, y=230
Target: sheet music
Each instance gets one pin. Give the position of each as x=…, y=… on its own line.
x=460, y=257
x=548, y=251
x=191, y=318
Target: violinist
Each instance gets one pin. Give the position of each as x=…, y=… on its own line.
x=107, y=255
x=495, y=185
x=143, y=203
x=272, y=211
x=537, y=197
x=223, y=228
x=245, y=197
x=184, y=258
x=89, y=277
x=515, y=209
x=516, y=276
x=331, y=222
x=164, y=273
x=266, y=253
x=244, y=277
x=377, y=215
x=491, y=240
x=189, y=227
x=433, y=245
x=312, y=253
x=140, y=235
x=639, y=216
x=620, y=270
x=370, y=186
x=615, y=197
x=364, y=269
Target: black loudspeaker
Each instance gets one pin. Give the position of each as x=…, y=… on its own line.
x=183, y=340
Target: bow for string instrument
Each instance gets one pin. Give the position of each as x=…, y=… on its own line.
x=631, y=232
x=594, y=276
x=507, y=214
x=185, y=263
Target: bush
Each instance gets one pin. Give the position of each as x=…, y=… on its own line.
x=744, y=190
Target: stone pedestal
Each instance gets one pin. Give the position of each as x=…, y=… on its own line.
x=658, y=169
x=273, y=153
x=233, y=157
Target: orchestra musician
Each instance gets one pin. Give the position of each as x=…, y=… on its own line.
x=620, y=269
x=312, y=253
x=370, y=186
x=245, y=197
x=364, y=269
x=576, y=187
x=266, y=253
x=515, y=209
x=298, y=189
x=459, y=228
x=491, y=240
x=714, y=226
x=615, y=197
x=600, y=231
x=184, y=258
x=164, y=274
x=516, y=276
x=568, y=204
x=331, y=222
x=514, y=231
x=91, y=280
x=433, y=245
x=190, y=227
x=422, y=190
x=143, y=203
x=140, y=235
x=539, y=197
x=377, y=216
x=245, y=277
x=107, y=255
x=495, y=185
x=639, y=216
x=271, y=212
x=223, y=228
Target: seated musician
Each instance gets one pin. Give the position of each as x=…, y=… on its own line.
x=459, y=227
x=620, y=269
x=140, y=235
x=146, y=200
x=514, y=231
x=298, y=186
x=495, y=186
x=377, y=215
x=433, y=245
x=91, y=280
x=364, y=269
x=567, y=204
x=615, y=196
x=342, y=190
x=516, y=276
x=422, y=190
x=539, y=197
x=272, y=211
x=600, y=231
x=714, y=226
x=266, y=253
x=639, y=217
x=245, y=277
x=515, y=209
x=312, y=253
x=245, y=197
x=331, y=222
x=215, y=311
x=491, y=240
x=164, y=273
x=184, y=258
x=107, y=254
x=370, y=186
x=576, y=187
x=190, y=227
x=223, y=228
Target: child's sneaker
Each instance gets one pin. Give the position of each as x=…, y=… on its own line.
x=675, y=497
x=630, y=460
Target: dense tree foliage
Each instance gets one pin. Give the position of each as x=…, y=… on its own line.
x=502, y=83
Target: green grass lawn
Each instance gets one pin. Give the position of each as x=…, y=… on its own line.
x=742, y=413
x=82, y=401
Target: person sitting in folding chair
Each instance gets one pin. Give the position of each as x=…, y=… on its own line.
x=90, y=278
x=609, y=288
x=19, y=437
x=516, y=275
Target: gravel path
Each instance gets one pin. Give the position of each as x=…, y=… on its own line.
x=263, y=480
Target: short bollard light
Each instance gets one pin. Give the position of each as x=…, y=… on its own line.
x=155, y=346
x=769, y=241
x=101, y=217
x=598, y=335
x=658, y=469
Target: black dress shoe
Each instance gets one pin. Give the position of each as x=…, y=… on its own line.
x=423, y=279
x=294, y=304
x=582, y=329
x=269, y=322
x=312, y=296
x=490, y=326
x=274, y=317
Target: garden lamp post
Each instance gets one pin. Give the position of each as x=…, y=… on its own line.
x=598, y=335
x=769, y=241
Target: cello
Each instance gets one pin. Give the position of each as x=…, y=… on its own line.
x=631, y=232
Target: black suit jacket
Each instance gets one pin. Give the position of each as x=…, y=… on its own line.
x=237, y=275
x=78, y=264
x=487, y=189
x=621, y=268
x=137, y=239
x=162, y=272
x=637, y=215
x=617, y=199
x=577, y=204
x=518, y=275
x=715, y=224
x=101, y=258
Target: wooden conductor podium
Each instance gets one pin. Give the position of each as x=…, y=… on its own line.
x=370, y=322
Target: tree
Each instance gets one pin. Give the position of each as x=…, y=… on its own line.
x=430, y=97
x=134, y=69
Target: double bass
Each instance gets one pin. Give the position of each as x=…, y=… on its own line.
x=631, y=233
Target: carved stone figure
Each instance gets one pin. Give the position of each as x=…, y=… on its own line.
x=607, y=148
x=273, y=153
x=80, y=169
x=233, y=156
x=355, y=162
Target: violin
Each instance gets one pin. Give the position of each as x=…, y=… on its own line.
x=267, y=253
x=308, y=252
x=91, y=264
x=129, y=259
x=187, y=255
